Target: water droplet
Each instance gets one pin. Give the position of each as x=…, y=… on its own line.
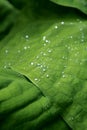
x=44, y=38
x=49, y=51
x=37, y=57
x=63, y=57
x=47, y=76
x=32, y=63
x=35, y=79
x=41, y=66
x=56, y=27
x=63, y=76
x=44, y=44
x=71, y=37
x=27, y=36
x=25, y=48
x=6, y=51
x=62, y=22
x=47, y=41
x=82, y=40
x=5, y=67
x=44, y=54
x=44, y=69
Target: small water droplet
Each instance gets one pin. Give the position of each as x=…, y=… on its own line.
x=44, y=44
x=44, y=69
x=47, y=76
x=44, y=54
x=6, y=51
x=44, y=38
x=37, y=57
x=27, y=36
x=36, y=79
x=47, y=41
x=41, y=66
x=62, y=22
x=82, y=40
x=63, y=76
x=71, y=37
x=5, y=67
x=56, y=27
x=32, y=63
x=63, y=57
x=49, y=51
x=25, y=48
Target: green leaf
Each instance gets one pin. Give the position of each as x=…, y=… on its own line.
x=47, y=45
x=79, y=4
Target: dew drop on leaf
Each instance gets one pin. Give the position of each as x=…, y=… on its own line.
x=62, y=23
x=32, y=63
x=27, y=36
x=5, y=67
x=44, y=38
x=63, y=76
x=6, y=51
x=25, y=47
x=36, y=79
x=47, y=76
x=56, y=27
x=49, y=51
